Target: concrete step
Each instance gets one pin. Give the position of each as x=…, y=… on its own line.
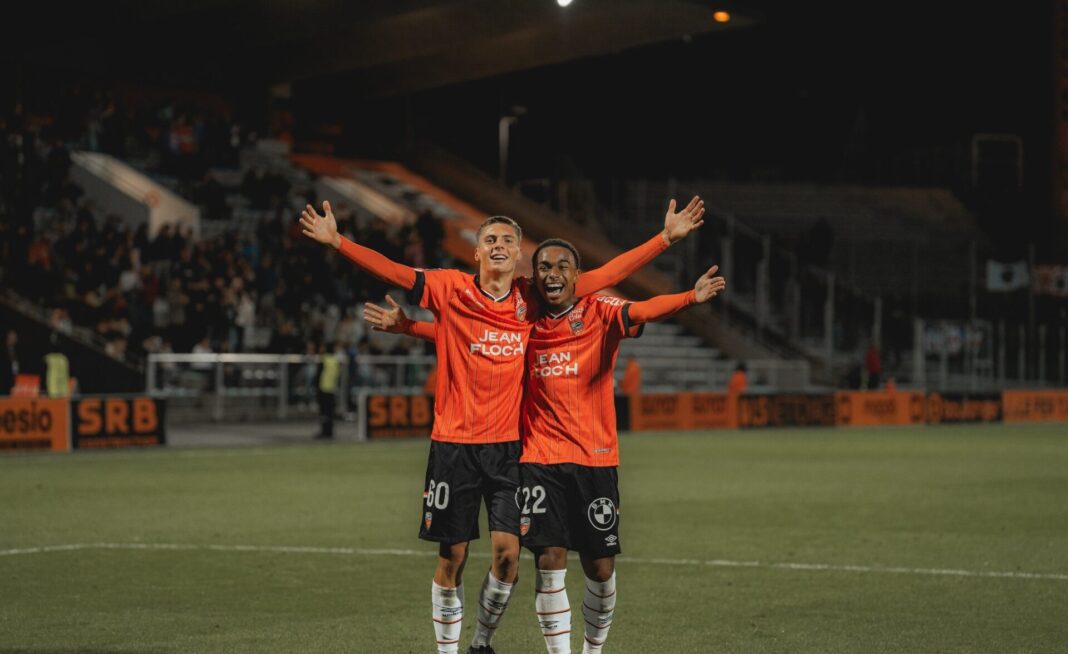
x=636, y=348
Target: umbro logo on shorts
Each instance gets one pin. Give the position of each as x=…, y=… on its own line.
x=611, y=540
x=602, y=514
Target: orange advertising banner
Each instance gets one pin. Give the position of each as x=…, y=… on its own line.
x=654, y=411
x=866, y=408
x=1034, y=406
x=713, y=410
x=399, y=416
x=963, y=407
x=670, y=411
x=34, y=424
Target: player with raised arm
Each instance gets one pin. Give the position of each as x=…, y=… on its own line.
x=482, y=327
x=569, y=492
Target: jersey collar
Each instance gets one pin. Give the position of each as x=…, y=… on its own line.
x=495, y=299
x=564, y=312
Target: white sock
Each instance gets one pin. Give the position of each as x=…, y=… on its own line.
x=448, y=616
x=598, y=605
x=492, y=601
x=554, y=611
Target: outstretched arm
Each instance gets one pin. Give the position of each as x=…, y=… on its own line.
x=676, y=226
x=394, y=320
x=324, y=230
x=665, y=306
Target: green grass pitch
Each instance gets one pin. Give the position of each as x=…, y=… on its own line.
x=947, y=539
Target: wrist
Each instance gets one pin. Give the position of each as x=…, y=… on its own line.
x=336, y=243
x=667, y=239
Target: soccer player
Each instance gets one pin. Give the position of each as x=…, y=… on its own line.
x=569, y=493
x=482, y=326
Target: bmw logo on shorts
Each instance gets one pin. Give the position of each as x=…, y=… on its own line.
x=602, y=513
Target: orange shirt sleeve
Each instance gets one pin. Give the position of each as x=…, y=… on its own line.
x=660, y=307
x=374, y=263
x=420, y=329
x=431, y=289
x=621, y=267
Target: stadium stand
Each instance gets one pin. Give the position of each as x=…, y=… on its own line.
x=241, y=287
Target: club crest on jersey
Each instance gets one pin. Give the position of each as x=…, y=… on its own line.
x=576, y=326
x=602, y=513
x=427, y=518
x=520, y=308
x=524, y=525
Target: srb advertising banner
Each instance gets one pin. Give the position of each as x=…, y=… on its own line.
x=399, y=416
x=103, y=422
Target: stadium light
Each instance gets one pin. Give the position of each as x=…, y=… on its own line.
x=563, y=3
x=722, y=17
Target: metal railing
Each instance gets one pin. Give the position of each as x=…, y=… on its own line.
x=281, y=385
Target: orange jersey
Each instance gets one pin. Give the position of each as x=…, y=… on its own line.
x=569, y=413
x=481, y=344
x=569, y=410
x=480, y=341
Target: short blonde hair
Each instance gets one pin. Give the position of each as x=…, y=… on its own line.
x=500, y=220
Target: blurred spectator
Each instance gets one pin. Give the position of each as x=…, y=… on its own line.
x=329, y=379
x=57, y=371
x=873, y=366
x=739, y=380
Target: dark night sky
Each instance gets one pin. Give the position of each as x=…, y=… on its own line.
x=789, y=95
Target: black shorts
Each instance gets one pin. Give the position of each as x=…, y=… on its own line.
x=572, y=506
x=458, y=478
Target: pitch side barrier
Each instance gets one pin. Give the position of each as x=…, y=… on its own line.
x=29, y=424
x=412, y=415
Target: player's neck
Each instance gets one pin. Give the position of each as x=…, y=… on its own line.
x=497, y=284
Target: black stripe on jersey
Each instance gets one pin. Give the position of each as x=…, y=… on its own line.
x=415, y=296
x=627, y=324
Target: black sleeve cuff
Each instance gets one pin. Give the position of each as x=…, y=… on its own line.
x=628, y=325
x=415, y=296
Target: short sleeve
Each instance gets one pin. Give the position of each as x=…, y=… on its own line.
x=433, y=288
x=613, y=312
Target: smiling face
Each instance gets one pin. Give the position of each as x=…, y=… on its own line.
x=555, y=274
x=498, y=249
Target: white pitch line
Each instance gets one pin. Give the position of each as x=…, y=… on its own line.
x=719, y=563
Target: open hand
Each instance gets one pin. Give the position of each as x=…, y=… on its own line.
x=678, y=225
x=707, y=286
x=320, y=228
x=392, y=319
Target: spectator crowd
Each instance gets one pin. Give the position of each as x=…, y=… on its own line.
x=266, y=289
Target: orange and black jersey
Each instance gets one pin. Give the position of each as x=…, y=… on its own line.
x=569, y=413
x=481, y=342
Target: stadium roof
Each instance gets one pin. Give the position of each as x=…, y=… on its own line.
x=393, y=46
